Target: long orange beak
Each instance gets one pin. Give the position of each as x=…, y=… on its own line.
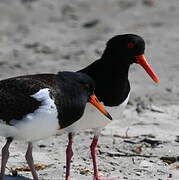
x=95, y=102
x=143, y=62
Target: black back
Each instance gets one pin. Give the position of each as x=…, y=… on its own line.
x=15, y=97
x=69, y=90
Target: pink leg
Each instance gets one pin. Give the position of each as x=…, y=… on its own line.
x=5, y=156
x=30, y=161
x=94, y=157
x=69, y=155
x=93, y=154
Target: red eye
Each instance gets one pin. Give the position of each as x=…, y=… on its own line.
x=130, y=45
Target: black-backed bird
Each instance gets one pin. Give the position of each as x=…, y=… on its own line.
x=110, y=74
x=34, y=107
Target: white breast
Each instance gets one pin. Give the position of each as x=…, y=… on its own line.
x=40, y=124
x=93, y=119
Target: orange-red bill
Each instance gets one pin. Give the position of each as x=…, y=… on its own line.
x=95, y=102
x=143, y=62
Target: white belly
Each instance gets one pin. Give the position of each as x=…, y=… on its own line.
x=93, y=119
x=40, y=124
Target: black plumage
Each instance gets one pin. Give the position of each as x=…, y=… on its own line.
x=33, y=107
x=110, y=74
x=66, y=88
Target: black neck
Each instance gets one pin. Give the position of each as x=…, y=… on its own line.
x=111, y=79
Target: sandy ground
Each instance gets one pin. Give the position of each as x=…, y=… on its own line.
x=48, y=36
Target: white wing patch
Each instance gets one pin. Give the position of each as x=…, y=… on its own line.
x=40, y=124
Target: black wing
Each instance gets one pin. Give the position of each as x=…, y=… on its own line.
x=15, y=95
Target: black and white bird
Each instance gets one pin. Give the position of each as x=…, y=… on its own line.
x=110, y=74
x=34, y=107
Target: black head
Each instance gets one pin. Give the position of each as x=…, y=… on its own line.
x=75, y=90
x=125, y=48
x=88, y=86
x=77, y=81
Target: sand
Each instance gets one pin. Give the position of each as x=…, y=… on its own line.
x=38, y=36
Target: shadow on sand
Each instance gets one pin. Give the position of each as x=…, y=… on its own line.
x=8, y=177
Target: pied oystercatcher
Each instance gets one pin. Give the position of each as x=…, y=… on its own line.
x=110, y=74
x=33, y=107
